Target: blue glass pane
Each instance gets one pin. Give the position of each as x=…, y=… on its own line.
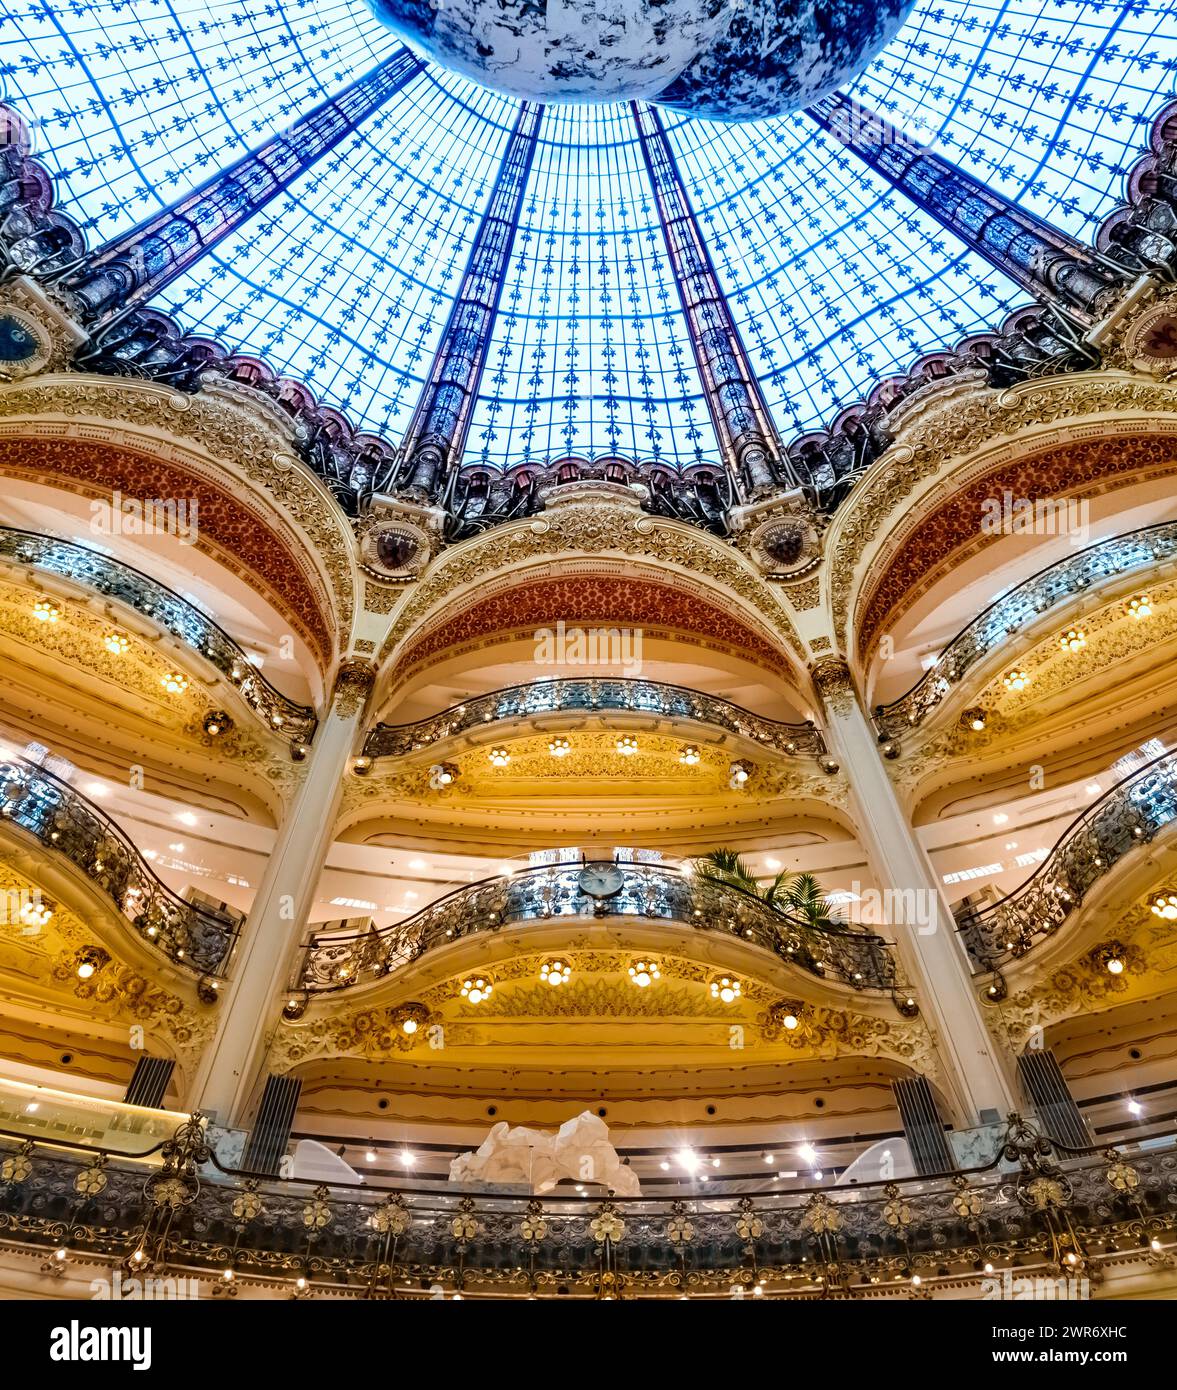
x=346, y=279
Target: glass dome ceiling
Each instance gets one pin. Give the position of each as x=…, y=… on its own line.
x=345, y=280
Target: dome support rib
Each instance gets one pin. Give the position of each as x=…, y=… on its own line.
x=1055, y=268
x=436, y=436
x=748, y=439
x=134, y=267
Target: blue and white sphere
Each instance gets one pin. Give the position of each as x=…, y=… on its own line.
x=727, y=60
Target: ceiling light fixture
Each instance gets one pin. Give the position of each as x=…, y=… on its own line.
x=1073, y=640
x=627, y=745
x=1140, y=607
x=46, y=612
x=1164, y=904
x=477, y=989
x=174, y=683
x=689, y=755
x=555, y=972
x=116, y=644
x=559, y=747
x=1016, y=680
x=499, y=757
x=644, y=973
x=726, y=989
x=442, y=775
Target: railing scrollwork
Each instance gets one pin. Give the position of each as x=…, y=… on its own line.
x=1128, y=815
x=186, y=623
x=47, y=808
x=847, y=956
x=591, y=695
x=1049, y=588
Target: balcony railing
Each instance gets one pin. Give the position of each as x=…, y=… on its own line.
x=186, y=623
x=1049, y=588
x=590, y=695
x=1128, y=815
x=62, y=820
x=1035, y=1219
x=848, y=956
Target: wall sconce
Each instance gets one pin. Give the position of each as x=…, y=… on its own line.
x=738, y=774
x=786, y=1014
x=1111, y=956
x=89, y=961
x=644, y=973
x=362, y=765
x=409, y=1018
x=555, y=972
x=216, y=722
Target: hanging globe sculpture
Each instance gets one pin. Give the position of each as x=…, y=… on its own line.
x=727, y=60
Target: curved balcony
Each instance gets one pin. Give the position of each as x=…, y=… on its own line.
x=1126, y=816
x=1049, y=588
x=853, y=958
x=988, y=1228
x=63, y=821
x=186, y=623
x=595, y=695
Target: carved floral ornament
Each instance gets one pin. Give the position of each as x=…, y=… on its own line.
x=353, y=685
x=214, y=435
x=598, y=991
x=118, y=993
x=1084, y=985
x=954, y=427
x=597, y=528
x=834, y=684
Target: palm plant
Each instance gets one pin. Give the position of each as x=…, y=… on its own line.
x=795, y=895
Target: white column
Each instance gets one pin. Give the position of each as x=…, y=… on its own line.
x=264, y=959
x=927, y=941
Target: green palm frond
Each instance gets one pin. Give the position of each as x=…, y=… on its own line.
x=796, y=895
x=727, y=866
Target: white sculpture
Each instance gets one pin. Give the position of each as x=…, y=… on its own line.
x=579, y=1151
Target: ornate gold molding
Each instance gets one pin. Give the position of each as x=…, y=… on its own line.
x=834, y=684
x=224, y=427
x=353, y=685
x=597, y=528
x=955, y=425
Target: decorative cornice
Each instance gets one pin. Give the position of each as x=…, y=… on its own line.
x=592, y=528
x=1000, y=426
x=220, y=427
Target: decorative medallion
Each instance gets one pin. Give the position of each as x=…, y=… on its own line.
x=393, y=550
x=1151, y=343
x=786, y=547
